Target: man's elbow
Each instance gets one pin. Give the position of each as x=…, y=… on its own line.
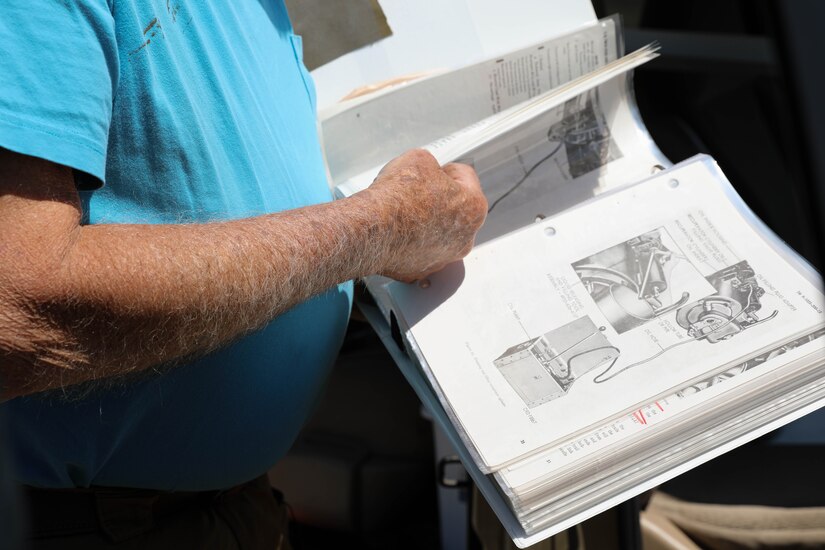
x=36, y=351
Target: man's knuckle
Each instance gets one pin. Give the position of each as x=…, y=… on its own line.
x=419, y=156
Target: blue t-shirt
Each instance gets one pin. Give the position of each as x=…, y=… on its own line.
x=186, y=111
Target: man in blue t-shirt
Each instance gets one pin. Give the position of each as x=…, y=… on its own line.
x=163, y=202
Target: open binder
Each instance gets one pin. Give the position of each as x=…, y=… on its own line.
x=620, y=320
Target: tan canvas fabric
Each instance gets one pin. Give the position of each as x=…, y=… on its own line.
x=735, y=527
x=659, y=533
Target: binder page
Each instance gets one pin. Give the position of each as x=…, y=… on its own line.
x=433, y=34
x=652, y=418
x=585, y=146
x=655, y=467
x=366, y=132
x=488, y=131
x=585, y=316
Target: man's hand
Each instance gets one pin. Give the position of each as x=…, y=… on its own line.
x=81, y=303
x=435, y=214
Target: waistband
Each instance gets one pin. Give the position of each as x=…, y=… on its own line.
x=119, y=513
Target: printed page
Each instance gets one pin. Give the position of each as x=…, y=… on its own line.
x=617, y=477
x=590, y=314
x=672, y=412
x=433, y=34
x=367, y=132
x=585, y=146
x=546, y=155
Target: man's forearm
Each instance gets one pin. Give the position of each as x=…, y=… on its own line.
x=121, y=298
x=81, y=303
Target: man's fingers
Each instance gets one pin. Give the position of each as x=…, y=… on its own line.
x=446, y=208
x=463, y=174
x=414, y=159
x=466, y=177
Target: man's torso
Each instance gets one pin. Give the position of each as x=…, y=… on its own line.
x=212, y=119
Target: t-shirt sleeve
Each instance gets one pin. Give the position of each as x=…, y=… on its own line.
x=58, y=73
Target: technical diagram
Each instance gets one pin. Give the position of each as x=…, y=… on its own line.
x=631, y=282
x=728, y=312
x=543, y=368
x=715, y=318
x=579, y=142
x=585, y=135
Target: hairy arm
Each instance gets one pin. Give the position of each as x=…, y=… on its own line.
x=80, y=303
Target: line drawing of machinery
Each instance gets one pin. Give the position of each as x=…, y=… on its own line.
x=628, y=281
x=715, y=318
x=585, y=135
x=543, y=369
x=730, y=311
